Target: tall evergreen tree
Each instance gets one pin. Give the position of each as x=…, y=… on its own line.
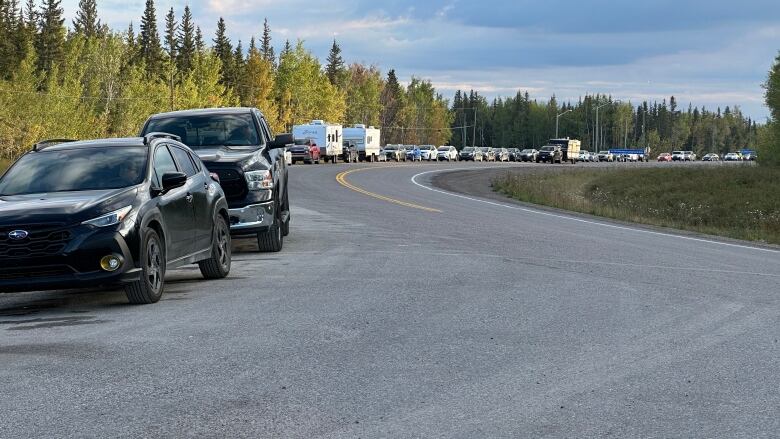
x=186, y=37
x=266, y=49
x=335, y=69
x=171, y=37
x=200, y=44
x=224, y=51
x=86, y=21
x=50, y=40
x=150, y=48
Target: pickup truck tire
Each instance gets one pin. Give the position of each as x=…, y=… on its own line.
x=272, y=240
x=286, y=208
x=218, y=265
x=149, y=288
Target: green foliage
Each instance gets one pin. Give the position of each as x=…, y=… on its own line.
x=769, y=144
x=736, y=201
x=364, y=87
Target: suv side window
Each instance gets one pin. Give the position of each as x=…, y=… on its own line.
x=163, y=164
x=184, y=160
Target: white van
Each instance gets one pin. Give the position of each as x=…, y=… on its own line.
x=366, y=139
x=328, y=137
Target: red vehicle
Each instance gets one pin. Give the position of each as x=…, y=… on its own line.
x=305, y=150
x=664, y=157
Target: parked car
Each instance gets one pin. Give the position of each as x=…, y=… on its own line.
x=711, y=157
x=471, y=153
x=382, y=157
x=629, y=157
x=732, y=157
x=413, y=153
x=448, y=153
x=606, y=156
x=502, y=154
x=584, y=156
x=664, y=157
x=690, y=156
x=550, y=154
x=488, y=154
x=237, y=144
x=110, y=212
x=305, y=150
x=514, y=154
x=749, y=156
x=349, y=152
x=429, y=152
x=395, y=152
x=678, y=156
x=528, y=155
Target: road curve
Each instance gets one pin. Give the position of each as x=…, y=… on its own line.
x=397, y=309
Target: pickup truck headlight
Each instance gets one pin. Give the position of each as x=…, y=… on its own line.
x=110, y=218
x=259, y=180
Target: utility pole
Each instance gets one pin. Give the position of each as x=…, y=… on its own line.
x=474, y=138
x=556, y=121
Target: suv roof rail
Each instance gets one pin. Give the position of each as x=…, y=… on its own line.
x=158, y=135
x=48, y=142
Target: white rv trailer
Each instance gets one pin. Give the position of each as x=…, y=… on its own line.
x=326, y=136
x=366, y=139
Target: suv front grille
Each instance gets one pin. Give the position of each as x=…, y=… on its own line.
x=42, y=240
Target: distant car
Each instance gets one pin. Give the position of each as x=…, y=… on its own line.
x=732, y=157
x=488, y=154
x=502, y=154
x=395, y=152
x=630, y=157
x=550, y=154
x=689, y=156
x=606, y=156
x=305, y=150
x=665, y=157
x=413, y=153
x=428, y=152
x=514, y=154
x=585, y=156
x=711, y=157
x=749, y=156
x=448, y=153
x=471, y=153
x=528, y=155
x=349, y=152
x=382, y=157
x=678, y=156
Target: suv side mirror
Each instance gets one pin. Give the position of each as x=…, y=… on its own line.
x=281, y=141
x=172, y=180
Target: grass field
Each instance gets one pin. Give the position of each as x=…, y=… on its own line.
x=740, y=202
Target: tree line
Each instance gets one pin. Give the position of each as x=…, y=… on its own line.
x=600, y=122
x=85, y=80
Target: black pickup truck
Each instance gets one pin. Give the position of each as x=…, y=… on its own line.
x=238, y=147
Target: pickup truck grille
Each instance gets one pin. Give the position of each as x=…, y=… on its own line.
x=232, y=182
x=43, y=240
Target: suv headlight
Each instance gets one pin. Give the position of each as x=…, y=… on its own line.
x=259, y=180
x=110, y=218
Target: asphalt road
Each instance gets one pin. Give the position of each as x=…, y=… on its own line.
x=400, y=310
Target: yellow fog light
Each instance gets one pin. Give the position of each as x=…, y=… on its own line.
x=110, y=263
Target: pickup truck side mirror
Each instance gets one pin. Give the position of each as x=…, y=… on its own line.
x=281, y=141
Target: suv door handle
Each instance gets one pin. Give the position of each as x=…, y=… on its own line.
x=189, y=198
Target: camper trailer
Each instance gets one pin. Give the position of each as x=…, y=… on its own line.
x=366, y=139
x=327, y=137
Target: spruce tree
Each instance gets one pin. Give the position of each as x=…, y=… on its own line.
x=200, y=44
x=86, y=21
x=186, y=37
x=335, y=68
x=171, y=39
x=150, y=48
x=50, y=40
x=224, y=51
x=266, y=49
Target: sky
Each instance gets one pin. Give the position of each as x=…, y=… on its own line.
x=712, y=53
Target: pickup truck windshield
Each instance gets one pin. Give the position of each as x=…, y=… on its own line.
x=236, y=131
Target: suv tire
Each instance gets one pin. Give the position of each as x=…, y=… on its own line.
x=149, y=288
x=218, y=265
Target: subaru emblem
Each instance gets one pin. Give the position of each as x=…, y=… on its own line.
x=18, y=235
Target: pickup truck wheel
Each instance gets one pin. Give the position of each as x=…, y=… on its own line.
x=286, y=207
x=150, y=287
x=272, y=240
x=218, y=265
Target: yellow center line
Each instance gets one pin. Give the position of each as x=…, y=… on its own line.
x=342, y=180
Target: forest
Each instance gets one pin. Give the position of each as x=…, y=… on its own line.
x=85, y=80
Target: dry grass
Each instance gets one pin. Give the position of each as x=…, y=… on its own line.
x=740, y=202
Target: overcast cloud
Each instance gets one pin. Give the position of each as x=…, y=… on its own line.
x=712, y=53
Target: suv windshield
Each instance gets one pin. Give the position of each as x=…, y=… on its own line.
x=78, y=169
x=236, y=131
x=468, y=149
x=548, y=148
